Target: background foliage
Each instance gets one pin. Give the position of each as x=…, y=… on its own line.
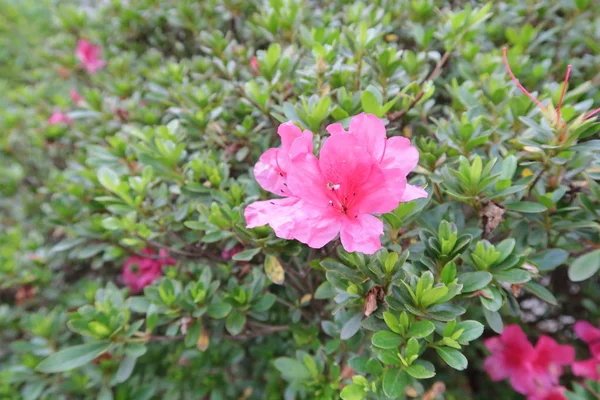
x=160, y=155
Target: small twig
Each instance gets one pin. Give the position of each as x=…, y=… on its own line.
x=436, y=71
x=241, y=91
x=536, y=180
x=165, y=338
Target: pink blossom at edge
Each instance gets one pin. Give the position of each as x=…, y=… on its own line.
x=254, y=65
x=589, y=368
x=139, y=272
x=89, y=56
x=75, y=96
x=58, y=117
x=532, y=371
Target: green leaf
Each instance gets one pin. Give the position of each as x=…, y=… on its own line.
x=218, y=310
x=421, y=329
x=386, y=340
x=212, y=237
x=125, y=369
x=412, y=348
x=585, y=266
x=369, y=103
x=351, y=327
x=274, y=270
x=292, y=369
x=325, y=291
x=33, y=390
x=235, y=322
x=353, y=392
x=193, y=333
x=453, y=357
x=494, y=320
x=418, y=371
x=264, y=303
x=473, y=281
x=549, y=259
x=445, y=311
x=526, y=207
x=108, y=178
x=541, y=292
x=246, y=255
x=73, y=357
x=515, y=275
x=394, y=382
x=433, y=295
x=105, y=394
x=494, y=300
x=471, y=330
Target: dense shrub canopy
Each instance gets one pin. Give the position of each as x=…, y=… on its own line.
x=446, y=238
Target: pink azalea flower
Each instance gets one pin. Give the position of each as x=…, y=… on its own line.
x=589, y=334
x=89, y=56
x=511, y=358
x=139, y=272
x=359, y=173
x=590, y=368
x=550, y=357
x=254, y=65
x=58, y=117
x=530, y=370
x=77, y=99
x=555, y=393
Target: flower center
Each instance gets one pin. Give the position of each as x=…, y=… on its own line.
x=339, y=201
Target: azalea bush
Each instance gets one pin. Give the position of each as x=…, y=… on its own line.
x=299, y=199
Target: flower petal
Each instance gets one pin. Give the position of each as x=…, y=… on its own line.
x=586, y=331
x=362, y=234
x=334, y=129
x=380, y=194
x=279, y=214
x=522, y=381
x=269, y=174
x=316, y=225
x=400, y=154
x=412, y=192
x=495, y=369
x=371, y=133
x=587, y=369
x=306, y=181
x=343, y=161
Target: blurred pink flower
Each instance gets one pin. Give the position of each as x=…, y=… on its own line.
x=511, y=358
x=591, y=335
x=77, y=99
x=254, y=65
x=228, y=254
x=89, y=56
x=58, y=117
x=555, y=393
x=550, y=358
x=139, y=272
x=359, y=173
x=530, y=370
